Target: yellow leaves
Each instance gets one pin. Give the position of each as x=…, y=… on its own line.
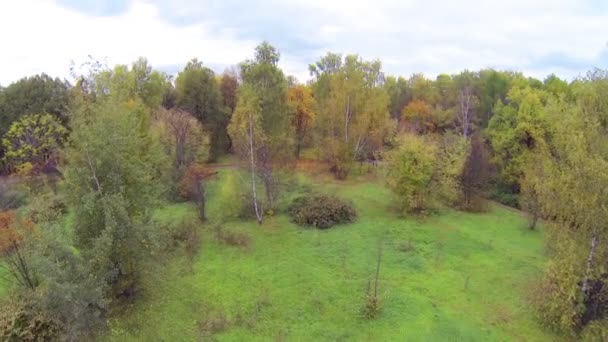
x=418, y=116
x=302, y=104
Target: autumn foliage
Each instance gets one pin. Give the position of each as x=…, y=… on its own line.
x=193, y=176
x=8, y=232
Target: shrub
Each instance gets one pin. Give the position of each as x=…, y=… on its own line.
x=321, y=211
x=10, y=196
x=46, y=208
x=596, y=331
x=22, y=321
x=232, y=238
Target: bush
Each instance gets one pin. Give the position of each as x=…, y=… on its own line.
x=321, y=211
x=22, y=321
x=506, y=198
x=46, y=208
x=10, y=196
x=232, y=238
x=596, y=331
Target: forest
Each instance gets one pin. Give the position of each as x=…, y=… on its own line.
x=355, y=205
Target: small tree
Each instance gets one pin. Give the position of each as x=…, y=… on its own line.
x=192, y=186
x=529, y=200
x=33, y=140
x=410, y=173
x=303, y=115
x=113, y=179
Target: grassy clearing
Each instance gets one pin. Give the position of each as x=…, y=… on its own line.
x=455, y=276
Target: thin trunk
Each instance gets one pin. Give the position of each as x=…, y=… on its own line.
x=298, y=149
x=347, y=119
x=585, y=286
x=258, y=215
x=94, y=174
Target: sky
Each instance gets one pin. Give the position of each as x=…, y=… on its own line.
x=537, y=37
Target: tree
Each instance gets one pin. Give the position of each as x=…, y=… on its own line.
x=33, y=141
x=417, y=117
x=33, y=95
x=182, y=134
x=493, y=87
x=423, y=89
x=139, y=81
x=303, y=115
x=572, y=182
x=14, y=252
x=229, y=85
x=410, y=172
x=352, y=109
x=398, y=92
x=467, y=101
x=113, y=178
x=192, y=187
x=514, y=130
x=266, y=80
x=199, y=94
x=475, y=174
x=556, y=86
x=248, y=134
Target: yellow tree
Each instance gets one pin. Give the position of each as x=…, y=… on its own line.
x=301, y=104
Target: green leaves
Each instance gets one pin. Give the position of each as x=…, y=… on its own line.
x=33, y=141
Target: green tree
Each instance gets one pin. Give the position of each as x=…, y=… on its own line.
x=263, y=77
x=410, y=173
x=398, y=92
x=139, y=81
x=33, y=141
x=494, y=87
x=514, y=130
x=113, y=178
x=199, y=94
x=352, y=109
x=33, y=95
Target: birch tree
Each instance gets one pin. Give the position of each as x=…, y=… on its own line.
x=352, y=109
x=245, y=128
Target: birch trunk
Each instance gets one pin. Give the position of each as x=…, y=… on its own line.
x=585, y=287
x=258, y=215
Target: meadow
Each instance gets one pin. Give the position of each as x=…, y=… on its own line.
x=452, y=276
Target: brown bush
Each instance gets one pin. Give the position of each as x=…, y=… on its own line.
x=232, y=238
x=8, y=232
x=22, y=321
x=322, y=211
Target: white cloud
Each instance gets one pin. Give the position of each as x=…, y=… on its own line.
x=536, y=37
x=40, y=36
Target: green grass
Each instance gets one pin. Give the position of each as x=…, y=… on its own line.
x=465, y=279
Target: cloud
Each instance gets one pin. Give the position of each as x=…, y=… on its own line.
x=539, y=37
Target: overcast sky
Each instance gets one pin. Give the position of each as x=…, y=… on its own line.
x=538, y=37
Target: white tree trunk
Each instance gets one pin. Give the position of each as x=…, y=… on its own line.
x=585, y=287
x=258, y=214
x=347, y=117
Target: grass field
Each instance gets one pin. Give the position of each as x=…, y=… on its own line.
x=452, y=277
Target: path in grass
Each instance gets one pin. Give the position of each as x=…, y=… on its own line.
x=456, y=276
